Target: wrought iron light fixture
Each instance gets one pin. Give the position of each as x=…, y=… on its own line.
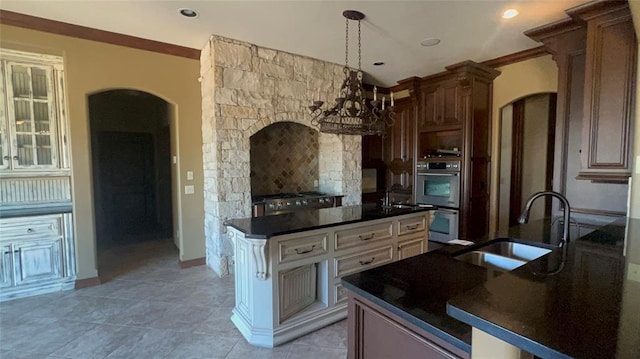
x=351, y=114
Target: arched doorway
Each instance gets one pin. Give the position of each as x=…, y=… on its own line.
x=131, y=167
x=527, y=140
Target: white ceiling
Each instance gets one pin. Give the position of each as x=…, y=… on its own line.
x=391, y=31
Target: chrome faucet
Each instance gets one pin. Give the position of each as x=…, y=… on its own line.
x=524, y=217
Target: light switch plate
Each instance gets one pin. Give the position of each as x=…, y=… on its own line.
x=190, y=175
x=189, y=189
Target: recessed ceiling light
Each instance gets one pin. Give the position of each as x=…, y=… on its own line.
x=430, y=42
x=378, y=63
x=510, y=13
x=188, y=13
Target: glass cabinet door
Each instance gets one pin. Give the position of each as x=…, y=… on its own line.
x=31, y=116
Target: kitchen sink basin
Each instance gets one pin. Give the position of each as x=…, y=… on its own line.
x=502, y=255
x=490, y=260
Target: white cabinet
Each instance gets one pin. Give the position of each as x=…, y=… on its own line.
x=37, y=255
x=289, y=285
x=31, y=112
x=37, y=251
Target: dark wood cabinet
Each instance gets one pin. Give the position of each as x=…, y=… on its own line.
x=400, y=148
x=608, y=92
x=374, y=333
x=595, y=50
x=439, y=103
x=455, y=114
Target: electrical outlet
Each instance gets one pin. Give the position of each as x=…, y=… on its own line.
x=189, y=189
x=190, y=175
x=633, y=272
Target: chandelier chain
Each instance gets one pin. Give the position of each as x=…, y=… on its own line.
x=359, y=49
x=346, y=46
x=352, y=113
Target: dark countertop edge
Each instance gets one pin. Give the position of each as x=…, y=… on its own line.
x=297, y=230
x=26, y=211
x=410, y=318
x=503, y=334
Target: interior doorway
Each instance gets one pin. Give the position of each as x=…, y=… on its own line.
x=527, y=141
x=131, y=167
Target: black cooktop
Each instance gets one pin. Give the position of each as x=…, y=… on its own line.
x=285, y=195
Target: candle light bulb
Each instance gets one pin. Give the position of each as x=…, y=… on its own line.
x=383, y=99
x=392, y=99
x=375, y=91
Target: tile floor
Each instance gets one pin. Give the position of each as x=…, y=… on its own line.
x=149, y=309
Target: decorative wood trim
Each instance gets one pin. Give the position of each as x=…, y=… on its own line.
x=551, y=147
x=260, y=258
x=87, y=33
x=87, y=282
x=517, y=148
x=192, y=262
x=517, y=57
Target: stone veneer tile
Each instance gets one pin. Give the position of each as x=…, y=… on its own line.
x=245, y=89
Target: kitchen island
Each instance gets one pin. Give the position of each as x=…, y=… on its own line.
x=288, y=267
x=455, y=309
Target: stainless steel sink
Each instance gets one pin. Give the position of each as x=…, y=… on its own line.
x=502, y=255
x=490, y=260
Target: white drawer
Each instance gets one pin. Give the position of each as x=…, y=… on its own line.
x=360, y=261
x=412, y=225
x=305, y=247
x=363, y=235
x=31, y=227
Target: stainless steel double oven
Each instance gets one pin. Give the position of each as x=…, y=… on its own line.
x=438, y=183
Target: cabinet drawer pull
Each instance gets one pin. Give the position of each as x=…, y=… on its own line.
x=305, y=251
x=411, y=228
x=363, y=263
x=30, y=230
x=367, y=237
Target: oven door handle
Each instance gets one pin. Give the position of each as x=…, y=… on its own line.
x=438, y=174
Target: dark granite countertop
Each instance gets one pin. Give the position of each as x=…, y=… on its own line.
x=305, y=220
x=587, y=310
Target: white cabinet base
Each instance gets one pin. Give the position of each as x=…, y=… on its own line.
x=269, y=338
x=289, y=285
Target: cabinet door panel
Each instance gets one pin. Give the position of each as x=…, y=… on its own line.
x=450, y=104
x=411, y=247
x=609, y=93
x=374, y=332
x=6, y=267
x=37, y=260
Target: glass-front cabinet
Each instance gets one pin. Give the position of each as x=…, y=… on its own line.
x=31, y=113
x=37, y=249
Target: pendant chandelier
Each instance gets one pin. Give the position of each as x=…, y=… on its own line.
x=351, y=114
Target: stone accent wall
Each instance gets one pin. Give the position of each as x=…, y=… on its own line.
x=244, y=89
x=284, y=159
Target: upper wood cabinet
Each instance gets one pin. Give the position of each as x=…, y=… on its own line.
x=608, y=91
x=440, y=106
x=595, y=50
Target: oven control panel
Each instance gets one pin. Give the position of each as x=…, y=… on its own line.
x=438, y=166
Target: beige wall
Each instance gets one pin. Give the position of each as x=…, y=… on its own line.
x=538, y=75
x=93, y=67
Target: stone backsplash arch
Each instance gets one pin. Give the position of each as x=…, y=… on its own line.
x=244, y=89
